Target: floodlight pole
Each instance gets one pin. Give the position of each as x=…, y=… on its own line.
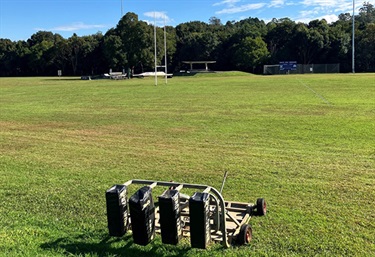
x=353, y=50
x=156, y=69
x=165, y=53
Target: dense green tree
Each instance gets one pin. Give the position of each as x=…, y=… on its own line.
x=113, y=50
x=223, y=51
x=249, y=53
x=171, y=41
x=194, y=41
x=40, y=37
x=93, y=61
x=137, y=40
x=131, y=44
x=366, y=15
x=366, y=49
x=250, y=27
x=311, y=41
x=76, y=45
x=39, y=44
x=280, y=40
x=20, y=59
x=214, y=21
x=7, y=56
x=60, y=53
x=340, y=43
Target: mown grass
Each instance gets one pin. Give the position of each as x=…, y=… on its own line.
x=305, y=143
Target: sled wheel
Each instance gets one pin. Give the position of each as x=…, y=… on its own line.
x=261, y=207
x=245, y=235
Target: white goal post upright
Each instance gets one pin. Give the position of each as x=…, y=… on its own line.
x=165, y=52
x=156, y=69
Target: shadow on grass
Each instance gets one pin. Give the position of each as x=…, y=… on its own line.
x=111, y=246
x=185, y=74
x=61, y=79
x=193, y=73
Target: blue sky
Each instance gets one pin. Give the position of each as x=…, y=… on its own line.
x=19, y=19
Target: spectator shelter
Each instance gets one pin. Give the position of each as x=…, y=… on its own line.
x=198, y=62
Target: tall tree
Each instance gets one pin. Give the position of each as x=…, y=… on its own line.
x=60, y=53
x=113, y=50
x=340, y=43
x=366, y=14
x=366, y=49
x=137, y=40
x=280, y=40
x=39, y=44
x=93, y=60
x=249, y=53
x=75, y=44
x=311, y=41
x=7, y=51
x=194, y=41
x=20, y=61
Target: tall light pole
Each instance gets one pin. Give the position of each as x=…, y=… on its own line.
x=353, y=50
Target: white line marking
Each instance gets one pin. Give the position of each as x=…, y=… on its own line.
x=312, y=90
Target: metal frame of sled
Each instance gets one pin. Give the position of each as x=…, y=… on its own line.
x=228, y=219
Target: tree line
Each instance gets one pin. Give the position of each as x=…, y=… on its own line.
x=244, y=45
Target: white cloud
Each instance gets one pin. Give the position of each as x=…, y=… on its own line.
x=309, y=13
x=242, y=8
x=303, y=10
x=76, y=26
x=317, y=13
x=344, y=8
x=156, y=15
x=227, y=2
x=323, y=9
x=330, y=3
x=160, y=17
x=277, y=3
x=329, y=18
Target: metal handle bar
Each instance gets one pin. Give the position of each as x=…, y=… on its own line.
x=179, y=186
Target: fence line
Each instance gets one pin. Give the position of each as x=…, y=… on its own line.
x=303, y=69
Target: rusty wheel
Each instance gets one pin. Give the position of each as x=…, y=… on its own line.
x=245, y=235
x=261, y=207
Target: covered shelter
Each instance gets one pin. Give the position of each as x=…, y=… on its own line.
x=198, y=62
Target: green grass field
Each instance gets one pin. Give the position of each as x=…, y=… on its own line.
x=305, y=143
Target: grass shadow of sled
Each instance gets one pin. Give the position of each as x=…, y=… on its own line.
x=110, y=246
